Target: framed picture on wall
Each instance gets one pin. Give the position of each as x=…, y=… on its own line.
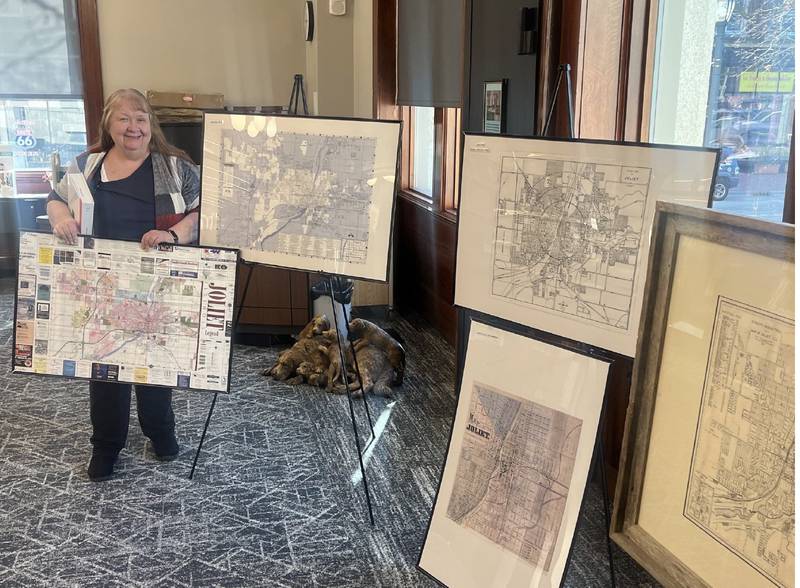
x=705, y=493
x=494, y=106
x=517, y=464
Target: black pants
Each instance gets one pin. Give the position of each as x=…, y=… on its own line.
x=110, y=411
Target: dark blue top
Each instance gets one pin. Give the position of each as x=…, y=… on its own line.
x=126, y=208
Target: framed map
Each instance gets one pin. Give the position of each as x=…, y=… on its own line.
x=554, y=234
x=705, y=495
x=519, y=457
x=108, y=310
x=307, y=193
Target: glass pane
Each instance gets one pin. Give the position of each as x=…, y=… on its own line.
x=39, y=48
x=34, y=129
x=423, y=150
x=724, y=77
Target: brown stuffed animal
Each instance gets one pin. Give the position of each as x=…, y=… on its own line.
x=368, y=333
x=305, y=351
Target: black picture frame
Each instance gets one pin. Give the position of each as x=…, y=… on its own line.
x=495, y=96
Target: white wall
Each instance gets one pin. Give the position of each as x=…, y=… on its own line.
x=248, y=50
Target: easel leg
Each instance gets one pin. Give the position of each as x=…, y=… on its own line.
x=203, y=436
x=350, y=402
x=358, y=373
x=214, y=402
x=601, y=463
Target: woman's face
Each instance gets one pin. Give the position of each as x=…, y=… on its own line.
x=129, y=128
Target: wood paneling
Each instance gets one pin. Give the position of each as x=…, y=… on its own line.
x=424, y=265
x=91, y=71
x=275, y=298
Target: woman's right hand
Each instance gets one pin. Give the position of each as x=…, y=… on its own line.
x=67, y=229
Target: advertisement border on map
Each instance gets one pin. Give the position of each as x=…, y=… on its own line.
x=163, y=247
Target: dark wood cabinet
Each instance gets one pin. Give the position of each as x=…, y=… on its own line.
x=276, y=301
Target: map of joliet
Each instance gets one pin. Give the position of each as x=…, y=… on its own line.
x=290, y=193
x=514, y=473
x=107, y=310
x=741, y=482
x=568, y=236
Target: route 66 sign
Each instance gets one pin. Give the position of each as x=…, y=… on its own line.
x=26, y=141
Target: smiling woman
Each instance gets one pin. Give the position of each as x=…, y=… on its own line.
x=146, y=190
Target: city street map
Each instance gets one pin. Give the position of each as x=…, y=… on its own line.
x=305, y=193
x=108, y=310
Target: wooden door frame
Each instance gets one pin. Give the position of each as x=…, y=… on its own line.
x=91, y=69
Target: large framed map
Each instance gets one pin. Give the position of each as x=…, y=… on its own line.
x=554, y=234
x=107, y=310
x=706, y=495
x=307, y=193
x=519, y=457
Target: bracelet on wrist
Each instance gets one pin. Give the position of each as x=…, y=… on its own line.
x=174, y=235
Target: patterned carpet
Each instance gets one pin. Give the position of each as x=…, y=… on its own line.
x=276, y=499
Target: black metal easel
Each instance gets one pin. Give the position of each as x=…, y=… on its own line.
x=214, y=401
x=563, y=71
x=344, y=377
x=298, y=93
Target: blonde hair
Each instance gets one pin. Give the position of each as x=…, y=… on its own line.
x=158, y=142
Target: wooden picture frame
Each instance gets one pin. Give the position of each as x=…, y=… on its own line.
x=495, y=95
x=709, y=436
x=515, y=528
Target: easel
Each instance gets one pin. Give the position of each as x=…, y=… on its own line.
x=298, y=92
x=465, y=315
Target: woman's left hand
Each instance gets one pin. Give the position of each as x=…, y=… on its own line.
x=152, y=239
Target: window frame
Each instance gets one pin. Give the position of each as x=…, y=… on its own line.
x=446, y=162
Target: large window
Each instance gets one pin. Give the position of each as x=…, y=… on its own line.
x=725, y=77
x=41, y=91
x=430, y=159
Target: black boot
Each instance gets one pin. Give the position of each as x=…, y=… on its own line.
x=101, y=467
x=166, y=449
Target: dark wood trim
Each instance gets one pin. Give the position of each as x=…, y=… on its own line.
x=572, y=16
x=549, y=51
x=789, y=198
x=624, y=69
x=384, y=59
x=91, y=70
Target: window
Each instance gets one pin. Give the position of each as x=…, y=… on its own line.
x=41, y=90
x=725, y=77
x=431, y=154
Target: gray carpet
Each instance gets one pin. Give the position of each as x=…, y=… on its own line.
x=276, y=499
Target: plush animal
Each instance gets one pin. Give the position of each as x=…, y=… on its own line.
x=370, y=334
x=306, y=350
x=375, y=370
x=335, y=364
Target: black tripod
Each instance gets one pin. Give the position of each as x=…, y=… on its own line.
x=297, y=93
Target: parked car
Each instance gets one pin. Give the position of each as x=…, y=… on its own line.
x=727, y=178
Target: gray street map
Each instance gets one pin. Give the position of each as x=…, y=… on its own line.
x=300, y=194
x=568, y=236
x=741, y=483
x=514, y=473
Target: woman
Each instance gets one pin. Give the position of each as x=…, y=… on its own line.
x=146, y=190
